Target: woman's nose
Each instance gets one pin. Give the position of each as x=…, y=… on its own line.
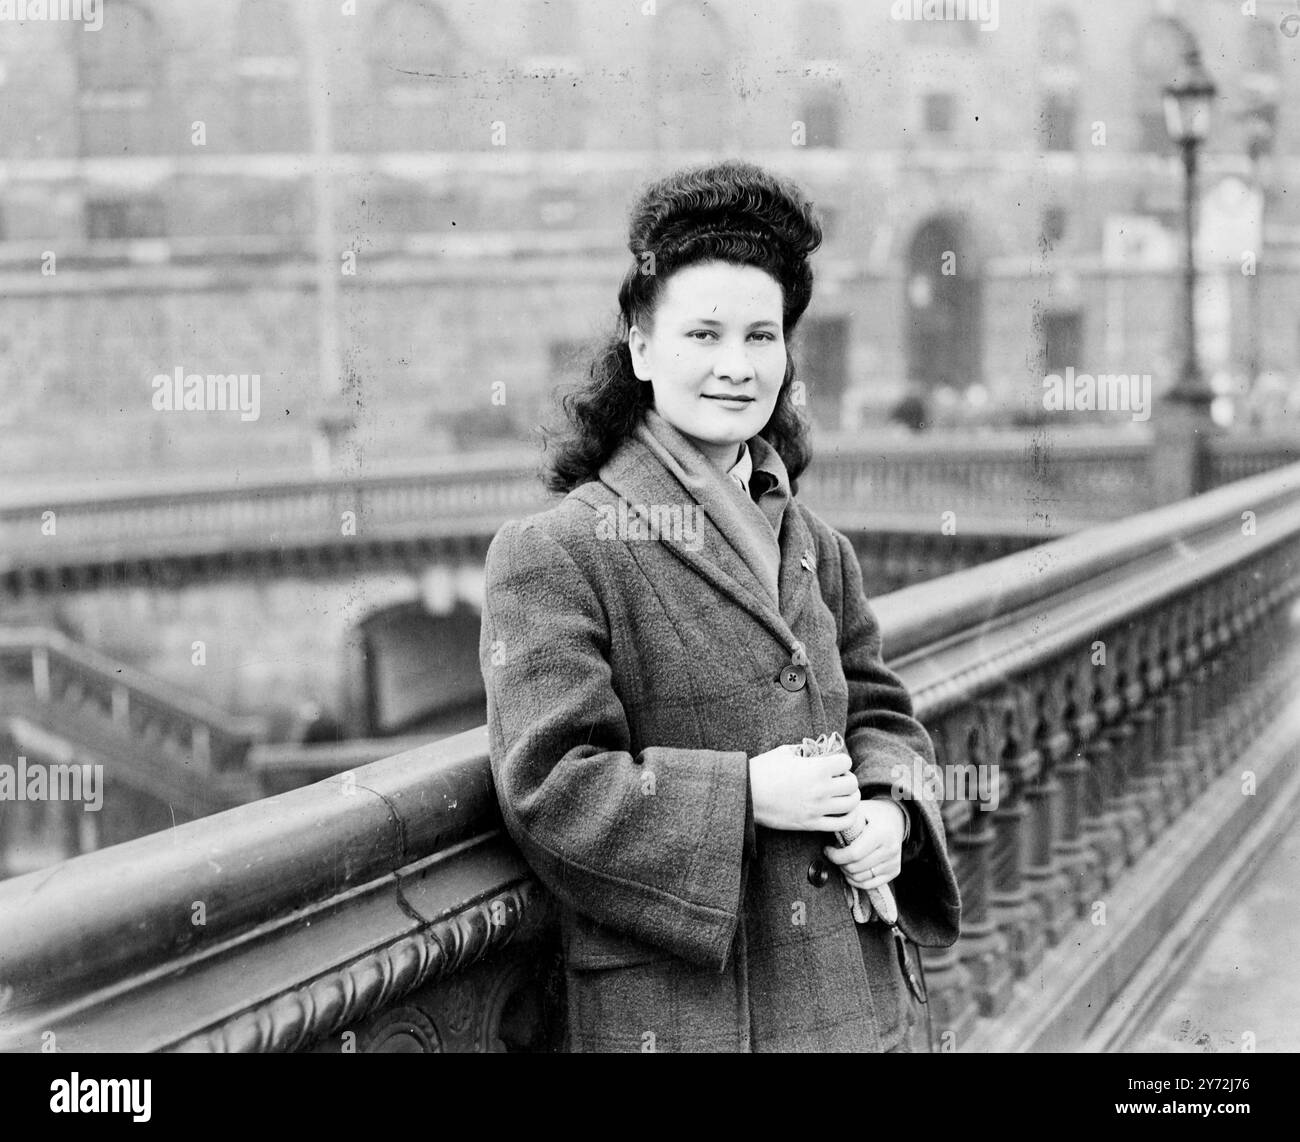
x=733, y=364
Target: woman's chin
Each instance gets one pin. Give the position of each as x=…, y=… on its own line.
x=730, y=427
x=730, y=437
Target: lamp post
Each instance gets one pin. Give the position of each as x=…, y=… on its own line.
x=1189, y=99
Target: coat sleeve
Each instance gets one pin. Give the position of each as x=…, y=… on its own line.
x=890, y=749
x=651, y=844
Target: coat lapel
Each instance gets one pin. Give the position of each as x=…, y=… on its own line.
x=644, y=477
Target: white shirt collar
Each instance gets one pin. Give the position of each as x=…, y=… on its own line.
x=743, y=468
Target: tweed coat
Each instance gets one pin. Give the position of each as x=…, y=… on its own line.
x=628, y=683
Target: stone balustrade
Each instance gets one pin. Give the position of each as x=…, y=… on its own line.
x=1040, y=486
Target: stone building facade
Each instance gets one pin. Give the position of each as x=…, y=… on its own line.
x=406, y=216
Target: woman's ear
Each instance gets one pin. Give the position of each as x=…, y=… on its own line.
x=637, y=347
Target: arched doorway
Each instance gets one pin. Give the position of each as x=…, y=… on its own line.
x=943, y=307
x=421, y=671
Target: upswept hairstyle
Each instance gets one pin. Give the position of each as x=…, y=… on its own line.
x=730, y=211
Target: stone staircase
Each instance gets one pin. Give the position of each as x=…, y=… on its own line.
x=165, y=756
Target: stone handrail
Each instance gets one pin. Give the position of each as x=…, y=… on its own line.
x=127, y=522
x=1081, y=695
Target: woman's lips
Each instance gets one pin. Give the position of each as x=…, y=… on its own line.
x=726, y=399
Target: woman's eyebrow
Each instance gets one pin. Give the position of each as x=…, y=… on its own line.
x=712, y=321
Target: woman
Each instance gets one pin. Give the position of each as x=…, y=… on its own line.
x=657, y=645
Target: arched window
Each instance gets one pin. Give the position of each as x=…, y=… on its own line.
x=692, y=70
x=1160, y=47
x=821, y=30
x=266, y=39
x=412, y=54
x=1058, y=119
x=123, y=55
x=945, y=321
x=1261, y=86
x=821, y=115
x=1059, y=38
x=553, y=29
x=551, y=92
x=1262, y=50
x=118, y=69
x=1059, y=78
x=269, y=59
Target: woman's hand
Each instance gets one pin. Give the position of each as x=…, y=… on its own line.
x=875, y=857
x=802, y=794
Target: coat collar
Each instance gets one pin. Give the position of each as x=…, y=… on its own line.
x=661, y=466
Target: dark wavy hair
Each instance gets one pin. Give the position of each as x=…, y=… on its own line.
x=730, y=211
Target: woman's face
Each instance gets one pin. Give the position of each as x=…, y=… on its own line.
x=716, y=356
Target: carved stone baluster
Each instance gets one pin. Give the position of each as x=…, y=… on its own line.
x=1145, y=781
x=1183, y=665
x=1016, y=913
x=983, y=947
x=1267, y=640
x=1240, y=698
x=1139, y=800
x=1234, y=714
x=1205, y=683
x=953, y=1009
x=1254, y=662
x=1223, y=683
x=1162, y=680
x=1101, y=825
x=1082, y=861
x=1047, y=870
x=1120, y=733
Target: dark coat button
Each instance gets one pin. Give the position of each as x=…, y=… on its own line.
x=793, y=677
x=818, y=872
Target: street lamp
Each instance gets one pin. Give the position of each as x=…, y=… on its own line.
x=1189, y=99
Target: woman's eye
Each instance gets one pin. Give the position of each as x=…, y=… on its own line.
x=698, y=333
x=765, y=336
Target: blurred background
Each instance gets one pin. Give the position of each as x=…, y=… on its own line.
x=400, y=225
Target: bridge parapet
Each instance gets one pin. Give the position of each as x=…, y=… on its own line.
x=1052, y=484
x=1083, y=695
